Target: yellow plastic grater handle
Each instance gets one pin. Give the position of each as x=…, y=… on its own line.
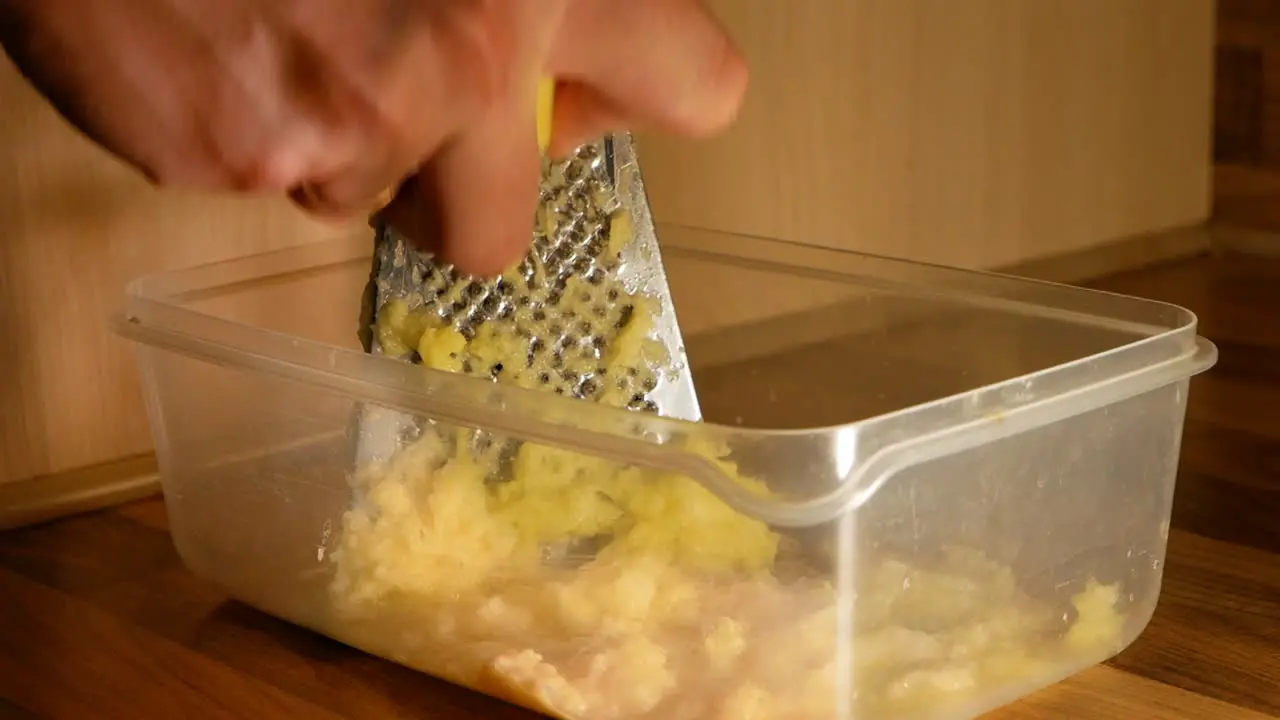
x=545, y=111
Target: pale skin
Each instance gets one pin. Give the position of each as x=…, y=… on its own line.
x=334, y=102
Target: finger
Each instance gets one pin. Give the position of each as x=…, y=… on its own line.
x=665, y=62
x=358, y=188
x=487, y=185
x=582, y=115
x=486, y=178
x=435, y=79
x=314, y=200
x=326, y=178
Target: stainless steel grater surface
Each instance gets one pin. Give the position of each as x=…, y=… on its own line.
x=593, y=251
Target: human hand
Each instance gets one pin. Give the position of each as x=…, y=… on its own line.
x=334, y=101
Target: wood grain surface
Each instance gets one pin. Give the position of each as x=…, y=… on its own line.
x=101, y=620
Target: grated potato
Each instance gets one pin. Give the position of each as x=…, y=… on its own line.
x=678, y=611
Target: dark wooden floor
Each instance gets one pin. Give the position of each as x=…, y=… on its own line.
x=98, y=619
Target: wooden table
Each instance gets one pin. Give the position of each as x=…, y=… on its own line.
x=99, y=619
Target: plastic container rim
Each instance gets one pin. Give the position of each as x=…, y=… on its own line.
x=630, y=437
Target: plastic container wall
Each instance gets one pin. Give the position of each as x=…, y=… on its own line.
x=920, y=492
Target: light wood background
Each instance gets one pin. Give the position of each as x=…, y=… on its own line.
x=76, y=227
x=967, y=132
x=971, y=132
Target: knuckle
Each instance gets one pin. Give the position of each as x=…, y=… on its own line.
x=279, y=160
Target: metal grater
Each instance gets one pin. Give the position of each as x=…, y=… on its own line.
x=571, y=238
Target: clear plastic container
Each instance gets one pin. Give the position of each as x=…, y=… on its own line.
x=917, y=492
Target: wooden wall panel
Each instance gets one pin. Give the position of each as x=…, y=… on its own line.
x=1246, y=131
x=968, y=132
x=76, y=227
